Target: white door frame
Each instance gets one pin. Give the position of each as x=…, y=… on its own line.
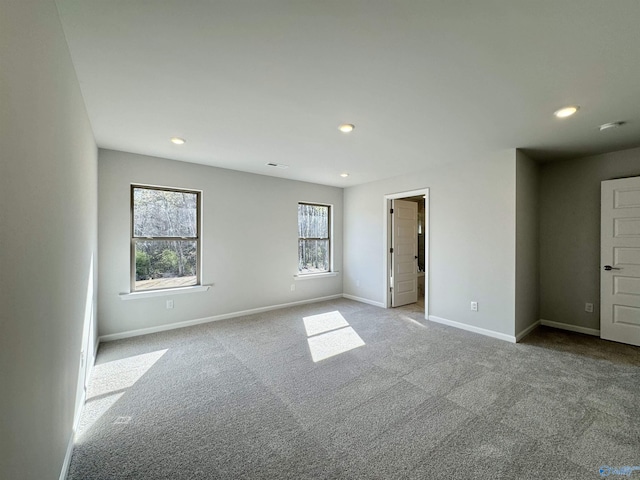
x=386, y=244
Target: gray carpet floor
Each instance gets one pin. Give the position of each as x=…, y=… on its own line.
x=396, y=397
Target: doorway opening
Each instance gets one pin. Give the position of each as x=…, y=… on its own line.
x=406, y=249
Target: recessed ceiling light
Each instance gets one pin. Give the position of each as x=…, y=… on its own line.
x=178, y=140
x=344, y=175
x=607, y=126
x=566, y=111
x=346, y=127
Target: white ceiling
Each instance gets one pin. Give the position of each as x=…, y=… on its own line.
x=248, y=82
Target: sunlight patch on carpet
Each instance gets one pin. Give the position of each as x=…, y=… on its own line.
x=329, y=335
x=117, y=375
x=411, y=320
x=324, y=322
x=109, y=382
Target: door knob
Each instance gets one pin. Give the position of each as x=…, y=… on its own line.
x=609, y=267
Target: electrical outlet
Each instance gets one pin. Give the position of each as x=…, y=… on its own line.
x=293, y=287
x=169, y=304
x=474, y=306
x=588, y=307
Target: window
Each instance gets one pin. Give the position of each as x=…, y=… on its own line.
x=314, y=238
x=165, y=238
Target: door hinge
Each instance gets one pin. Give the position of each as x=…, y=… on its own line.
x=391, y=250
x=391, y=211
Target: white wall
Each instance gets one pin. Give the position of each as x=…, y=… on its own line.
x=570, y=234
x=249, y=237
x=48, y=215
x=527, y=242
x=472, y=239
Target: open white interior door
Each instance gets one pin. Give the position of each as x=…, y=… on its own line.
x=404, y=252
x=620, y=258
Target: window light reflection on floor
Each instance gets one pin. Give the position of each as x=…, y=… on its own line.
x=110, y=381
x=324, y=322
x=329, y=335
x=411, y=320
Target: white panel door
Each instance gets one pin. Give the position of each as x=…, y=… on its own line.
x=404, y=257
x=620, y=258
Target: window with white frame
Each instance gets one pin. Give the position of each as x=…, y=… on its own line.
x=165, y=238
x=314, y=238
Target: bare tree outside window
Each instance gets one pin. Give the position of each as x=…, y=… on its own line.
x=165, y=243
x=314, y=238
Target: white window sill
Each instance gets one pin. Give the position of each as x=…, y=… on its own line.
x=309, y=276
x=164, y=292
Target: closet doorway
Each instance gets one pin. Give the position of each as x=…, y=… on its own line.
x=406, y=249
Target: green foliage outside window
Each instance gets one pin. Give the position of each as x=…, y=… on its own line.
x=165, y=236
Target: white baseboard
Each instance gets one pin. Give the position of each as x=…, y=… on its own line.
x=214, y=318
x=527, y=331
x=471, y=328
x=78, y=414
x=571, y=328
x=364, y=300
x=67, y=458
